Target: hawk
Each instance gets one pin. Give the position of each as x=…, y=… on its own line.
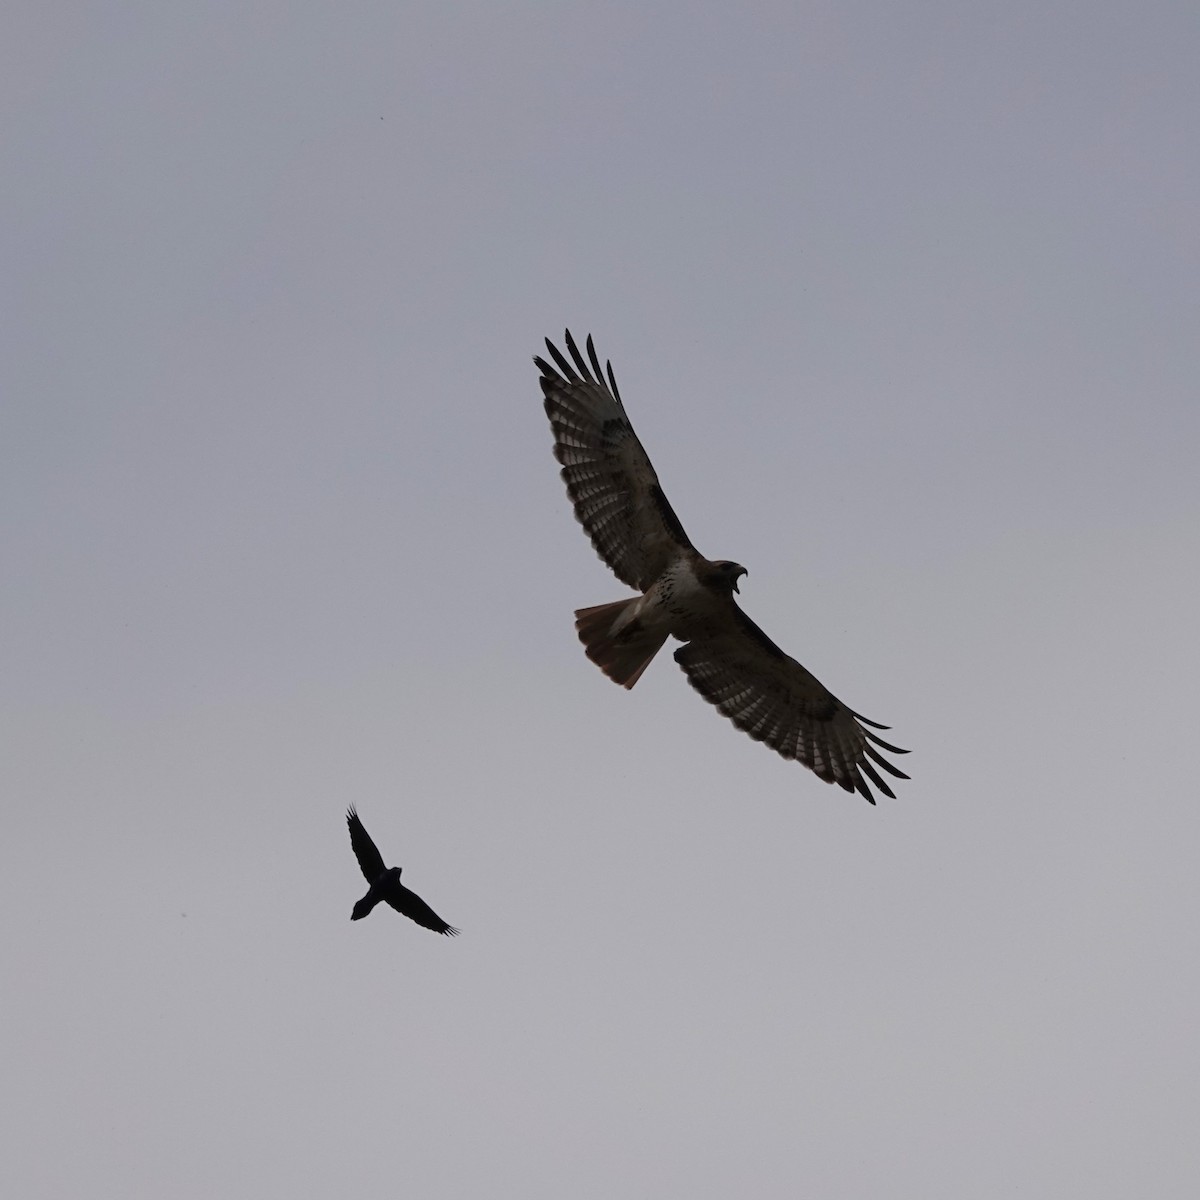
x=385, y=883
x=726, y=657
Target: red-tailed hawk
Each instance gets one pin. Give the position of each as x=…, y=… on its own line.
x=385, y=883
x=726, y=657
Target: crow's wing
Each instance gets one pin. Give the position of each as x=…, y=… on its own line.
x=413, y=907
x=369, y=858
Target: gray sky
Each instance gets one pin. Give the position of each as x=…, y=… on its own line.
x=903, y=300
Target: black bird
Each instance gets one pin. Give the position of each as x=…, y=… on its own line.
x=385, y=883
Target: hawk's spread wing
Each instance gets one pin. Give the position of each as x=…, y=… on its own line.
x=412, y=906
x=775, y=700
x=369, y=858
x=609, y=478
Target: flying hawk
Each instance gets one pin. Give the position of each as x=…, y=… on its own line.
x=385, y=883
x=726, y=657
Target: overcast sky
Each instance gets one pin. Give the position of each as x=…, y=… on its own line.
x=903, y=301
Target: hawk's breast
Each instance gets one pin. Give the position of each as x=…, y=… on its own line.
x=685, y=604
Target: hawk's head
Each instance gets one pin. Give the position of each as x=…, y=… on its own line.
x=726, y=575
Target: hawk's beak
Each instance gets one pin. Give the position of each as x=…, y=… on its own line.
x=736, y=578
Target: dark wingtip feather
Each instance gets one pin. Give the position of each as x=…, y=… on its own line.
x=612, y=382
x=864, y=791
x=875, y=725
x=580, y=363
x=886, y=745
x=594, y=359
x=564, y=367
x=883, y=762
x=874, y=776
x=580, y=370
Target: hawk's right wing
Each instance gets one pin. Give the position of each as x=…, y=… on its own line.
x=769, y=695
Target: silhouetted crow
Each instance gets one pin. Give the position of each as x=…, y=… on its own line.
x=385, y=883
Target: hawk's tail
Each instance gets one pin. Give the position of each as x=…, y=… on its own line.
x=622, y=656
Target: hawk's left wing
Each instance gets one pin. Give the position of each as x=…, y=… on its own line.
x=608, y=474
x=775, y=700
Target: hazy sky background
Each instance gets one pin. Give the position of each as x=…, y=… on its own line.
x=903, y=300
